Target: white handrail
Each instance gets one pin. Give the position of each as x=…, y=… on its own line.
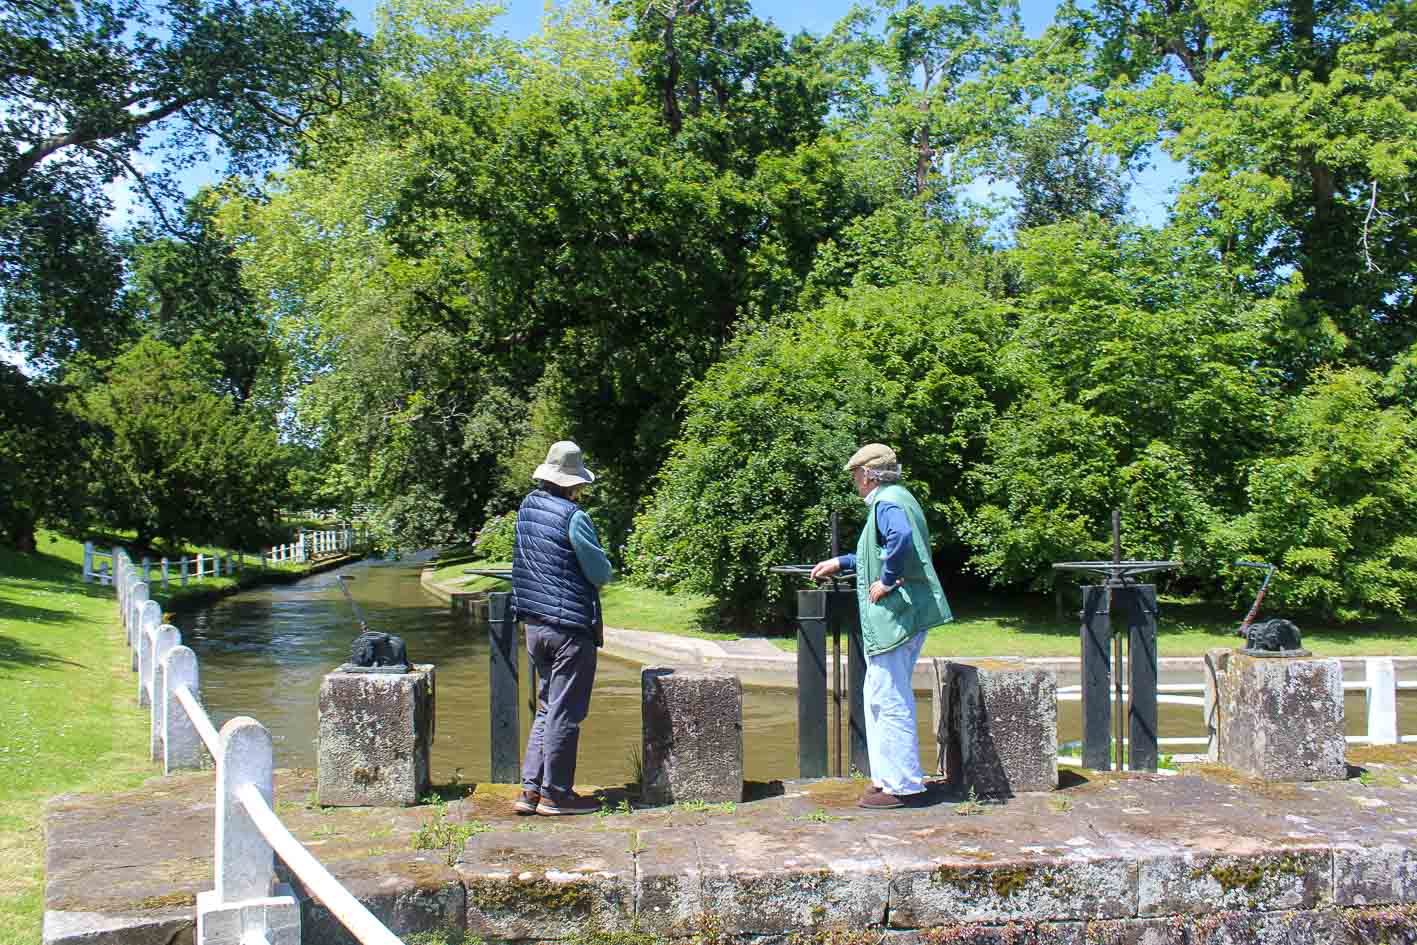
x=200, y=720
x=324, y=887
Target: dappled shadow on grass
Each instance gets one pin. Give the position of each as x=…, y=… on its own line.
x=16, y=653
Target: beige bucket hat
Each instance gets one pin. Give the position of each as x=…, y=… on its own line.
x=872, y=456
x=564, y=466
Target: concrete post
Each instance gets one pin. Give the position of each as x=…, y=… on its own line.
x=164, y=574
x=245, y=906
x=88, y=562
x=692, y=729
x=149, y=620
x=183, y=562
x=1382, y=701
x=146, y=567
x=201, y=562
x=216, y=565
x=245, y=863
x=181, y=744
x=137, y=596
x=164, y=638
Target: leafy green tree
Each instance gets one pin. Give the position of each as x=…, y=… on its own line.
x=756, y=472
x=42, y=476
x=190, y=289
x=1061, y=176
x=1297, y=121
x=1335, y=506
x=1147, y=383
x=173, y=460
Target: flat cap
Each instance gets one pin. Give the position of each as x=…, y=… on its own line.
x=872, y=456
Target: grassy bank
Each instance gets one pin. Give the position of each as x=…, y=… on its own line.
x=986, y=624
x=69, y=720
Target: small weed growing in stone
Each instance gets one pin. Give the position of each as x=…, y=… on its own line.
x=970, y=805
x=635, y=846
x=1365, y=777
x=1060, y=804
x=624, y=807
x=526, y=828
x=442, y=937
x=441, y=834
x=324, y=832
x=819, y=816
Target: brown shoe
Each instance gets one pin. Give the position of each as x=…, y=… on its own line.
x=526, y=804
x=876, y=799
x=567, y=806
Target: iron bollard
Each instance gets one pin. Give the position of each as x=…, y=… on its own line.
x=506, y=727
x=847, y=612
x=812, y=684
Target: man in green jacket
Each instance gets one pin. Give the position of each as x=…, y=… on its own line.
x=899, y=597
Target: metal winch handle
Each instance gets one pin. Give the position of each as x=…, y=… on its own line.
x=358, y=614
x=1255, y=608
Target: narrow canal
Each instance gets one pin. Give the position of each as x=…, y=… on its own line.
x=263, y=653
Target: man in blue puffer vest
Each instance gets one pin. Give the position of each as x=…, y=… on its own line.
x=558, y=568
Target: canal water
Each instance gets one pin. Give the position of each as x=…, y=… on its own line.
x=263, y=653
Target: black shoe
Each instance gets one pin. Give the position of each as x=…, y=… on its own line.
x=567, y=806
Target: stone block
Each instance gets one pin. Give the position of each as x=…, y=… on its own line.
x=999, y=722
x=668, y=883
x=1281, y=718
x=929, y=888
x=538, y=886
x=1370, y=876
x=1200, y=884
x=376, y=733
x=769, y=881
x=692, y=723
x=410, y=892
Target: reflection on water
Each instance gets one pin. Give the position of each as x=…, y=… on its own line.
x=263, y=653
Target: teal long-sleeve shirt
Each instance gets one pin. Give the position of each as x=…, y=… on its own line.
x=586, y=544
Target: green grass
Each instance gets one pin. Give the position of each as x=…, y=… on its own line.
x=1027, y=625
x=68, y=721
x=626, y=606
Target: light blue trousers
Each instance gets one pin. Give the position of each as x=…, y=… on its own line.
x=892, y=741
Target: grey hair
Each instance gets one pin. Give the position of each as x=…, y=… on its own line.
x=884, y=474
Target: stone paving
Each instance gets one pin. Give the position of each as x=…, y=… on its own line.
x=1201, y=857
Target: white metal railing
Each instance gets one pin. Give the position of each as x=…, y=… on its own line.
x=99, y=566
x=246, y=907
x=312, y=544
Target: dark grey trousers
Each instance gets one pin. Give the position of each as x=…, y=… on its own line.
x=565, y=670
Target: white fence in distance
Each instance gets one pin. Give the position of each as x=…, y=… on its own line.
x=312, y=544
x=246, y=907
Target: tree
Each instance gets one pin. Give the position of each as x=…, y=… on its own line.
x=42, y=477
x=756, y=471
x=1061, y=176
x=1297, y=120
x=89, y=85
x=190, y=289
x=172, y=459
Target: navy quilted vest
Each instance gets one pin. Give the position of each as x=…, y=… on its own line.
x=548, y=585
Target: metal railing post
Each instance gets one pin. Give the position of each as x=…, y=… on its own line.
x=503, y=689
x=1095, y=633
x=812, y=684
x=88, y=562
x=849, y=618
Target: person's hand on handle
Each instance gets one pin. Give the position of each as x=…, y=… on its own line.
x=825, y=569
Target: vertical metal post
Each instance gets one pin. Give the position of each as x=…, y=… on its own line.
x=812, y=684
x=1117, y=640
x=1141, y=648
x=1095, y=634
x=844, y=609
x=506, y=730
x=836, y=657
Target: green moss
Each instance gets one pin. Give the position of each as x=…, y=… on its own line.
x=1249, y=874
x=543, y=895
x=1003, y=881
